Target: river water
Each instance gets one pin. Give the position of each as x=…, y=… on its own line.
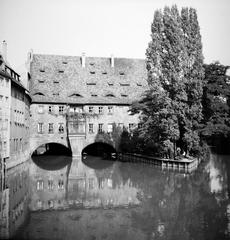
x=101, y=199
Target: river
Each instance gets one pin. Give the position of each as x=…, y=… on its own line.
x=101, y=199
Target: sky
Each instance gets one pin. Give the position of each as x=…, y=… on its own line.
x=102, y=27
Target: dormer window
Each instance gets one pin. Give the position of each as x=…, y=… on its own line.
x=124, y=95
x=93, y=95
x=56, y=81
x=110, y=84
x=139, y=84
x=124, y=84
x=122, y=73
x=92, y=64
x=110, y=95
x=41, y=80
x=92, y=72
x=42, y=70
x=61, y=71
x=39, y=94
x=64, y=62
x=75, y=95
x=104, y=73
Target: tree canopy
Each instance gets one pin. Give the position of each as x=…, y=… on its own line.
x=171, y=110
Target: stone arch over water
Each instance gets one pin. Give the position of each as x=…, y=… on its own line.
x=50, y=147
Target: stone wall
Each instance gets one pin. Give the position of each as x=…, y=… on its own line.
x=44, y=117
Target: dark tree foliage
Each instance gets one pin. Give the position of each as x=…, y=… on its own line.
x=216, y=105
x=171, y=110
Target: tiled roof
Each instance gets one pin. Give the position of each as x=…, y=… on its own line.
x=62, y=79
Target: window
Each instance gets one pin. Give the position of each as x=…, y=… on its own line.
x=139, y=84
x=110, y=84
x=1, y=81
x=91, y=183
x=100, y=127
x=100, y=110
x=60, y=184
x=50, y=109
x=40, y=127
x=7, y=100
x=104, y=73
x=124, y=95
x=90, y=127
x=75, y=95
x=90, y=109
x=92, y=72
x=50, y=184
x=61, y=71
x=42, y=70
x=124, y=84
x=61, y=109
x=122, y=73
x=40, y=184
x=39, y=94
x=110, y=109
x=7, y=82
x=64, y=62
x=110, y=127
x=51, y=128
x=110, y=95
x=40, y=109
x=91, y=84
x=93, y=95
x=55, y=94
x=61, y=127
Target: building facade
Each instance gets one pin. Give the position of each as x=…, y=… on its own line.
x=14, y=147
x=76, y=99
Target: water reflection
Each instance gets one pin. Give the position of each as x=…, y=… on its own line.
x=70, y=183
x=111, y=200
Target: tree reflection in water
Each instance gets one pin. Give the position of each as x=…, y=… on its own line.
x=133, y=201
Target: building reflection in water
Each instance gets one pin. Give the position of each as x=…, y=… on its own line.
x=75, y=185
x=14, y=204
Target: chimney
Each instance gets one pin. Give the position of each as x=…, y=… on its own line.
x=112, y=60
x=83, y=60
x=4, y=50
x=30, y=56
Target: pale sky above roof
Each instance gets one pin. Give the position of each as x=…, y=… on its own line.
x=102, y=27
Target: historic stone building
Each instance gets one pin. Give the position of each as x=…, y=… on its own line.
x=14, y=146
x=76, y=99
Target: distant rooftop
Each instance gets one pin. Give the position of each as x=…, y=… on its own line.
x=87, y=80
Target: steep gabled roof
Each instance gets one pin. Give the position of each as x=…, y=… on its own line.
x=61, y=76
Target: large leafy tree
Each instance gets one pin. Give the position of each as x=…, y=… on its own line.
x=171, y=110
x=216, y=103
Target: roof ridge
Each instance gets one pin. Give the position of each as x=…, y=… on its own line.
x=61, y=55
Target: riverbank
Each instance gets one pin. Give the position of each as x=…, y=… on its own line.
x=183, y=164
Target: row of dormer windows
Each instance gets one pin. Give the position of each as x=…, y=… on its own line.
x=94, y=83
x=121, y=73
x=79, y=95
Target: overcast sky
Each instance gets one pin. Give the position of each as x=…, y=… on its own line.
x=102, y=27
